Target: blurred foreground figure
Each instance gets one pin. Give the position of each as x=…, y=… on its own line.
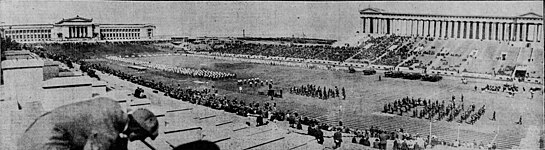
x=97, y=124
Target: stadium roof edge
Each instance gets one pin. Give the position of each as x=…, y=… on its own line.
x=380, y=11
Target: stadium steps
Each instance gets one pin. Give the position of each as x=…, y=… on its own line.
x=524, y=55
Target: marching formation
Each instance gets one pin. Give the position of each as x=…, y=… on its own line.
x=310, y=90
x=215, y=75
x=435, y=110
x=255, y=82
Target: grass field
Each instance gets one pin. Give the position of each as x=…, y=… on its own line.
x=366, y=97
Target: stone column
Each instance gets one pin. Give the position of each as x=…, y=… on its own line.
x=494, y=31
x=471, y=30
x=523, y=32
x=414, y=27
x=371, y=25
x=508, y=31
x=488, y=32
x=518, y=32
x=379, y=22
x=417, y=27
x=455, y=29
x=463, y=28
x=428, y=27
x=497, y=33
x=485, y=32
x=384, y=26
x=388, y=27
x=398, y=26
x=501, y=32
x=530, y=29
x=441, y=28
x=363, y=25
x=515, y=33
x=395, y=26
x=410, y=24
x=447, y=29
x=433, y=28
x=424, y=28
x=478, y=30
x=377, y=25
x=382, y=31
x=539, y=32
x=407, y=24
x=451, y=29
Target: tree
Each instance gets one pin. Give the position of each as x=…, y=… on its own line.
x=5, y=44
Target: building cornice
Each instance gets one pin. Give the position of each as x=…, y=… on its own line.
x=520, y=17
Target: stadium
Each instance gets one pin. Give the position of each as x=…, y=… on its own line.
x=418, y=80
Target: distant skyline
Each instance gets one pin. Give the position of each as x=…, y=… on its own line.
x=333, y=20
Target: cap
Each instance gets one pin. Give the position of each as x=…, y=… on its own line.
x=147, y=120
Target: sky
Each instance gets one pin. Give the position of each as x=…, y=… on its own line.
x=332, y=20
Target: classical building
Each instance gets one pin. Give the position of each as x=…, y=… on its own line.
x=77, y=29
x=524, y=28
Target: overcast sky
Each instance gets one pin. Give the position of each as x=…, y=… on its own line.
x=333, y=20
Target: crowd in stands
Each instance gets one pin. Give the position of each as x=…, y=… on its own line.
x=294, y=51
x=398, y=54
x=324, y=93
x=435, y=110
x=201, y=73
x=411, y=62
x=379, y=46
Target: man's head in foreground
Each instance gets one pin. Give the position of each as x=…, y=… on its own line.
x=142, y=124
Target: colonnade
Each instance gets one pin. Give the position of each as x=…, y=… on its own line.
x=77, y=32
x=485, y=30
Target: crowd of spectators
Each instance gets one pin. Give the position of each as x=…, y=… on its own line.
x=324, y=93
x=323, y=52
x=379, y=46
x=435, y=110
x=201, y=73
x=400, y=53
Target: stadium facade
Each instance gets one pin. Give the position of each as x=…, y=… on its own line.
x=523, y=28
x=77, y=29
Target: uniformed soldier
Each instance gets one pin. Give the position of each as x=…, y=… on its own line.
x=337, y=138
x=93, y=124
